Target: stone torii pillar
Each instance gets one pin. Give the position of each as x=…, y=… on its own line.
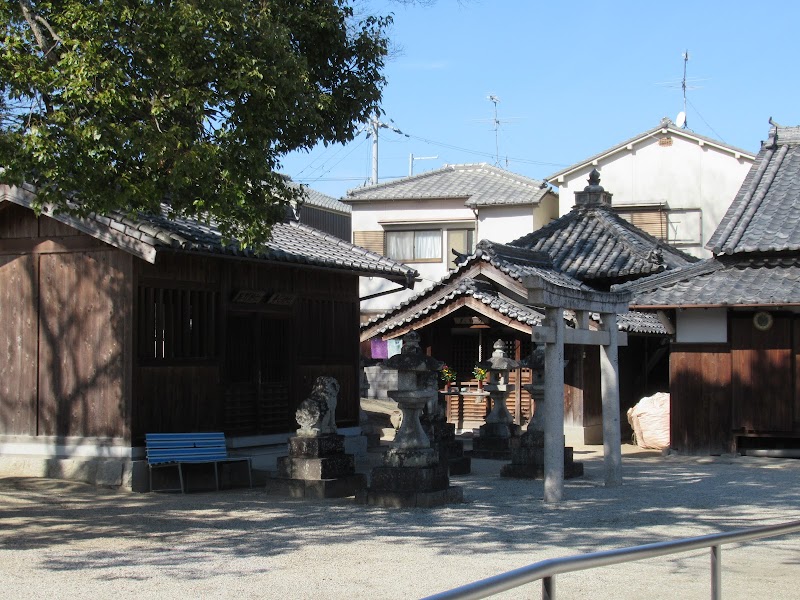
x=555, y=298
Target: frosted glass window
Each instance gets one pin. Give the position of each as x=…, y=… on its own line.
x=422, y=245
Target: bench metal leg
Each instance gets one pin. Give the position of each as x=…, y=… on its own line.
x=216, y=474
x=180, y=476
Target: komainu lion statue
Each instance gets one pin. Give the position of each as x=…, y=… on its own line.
x=316, y=415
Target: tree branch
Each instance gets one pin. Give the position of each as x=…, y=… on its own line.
x=34, y=22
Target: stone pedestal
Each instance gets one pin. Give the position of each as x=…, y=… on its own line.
x=527, y=458
x=317, y=467
x=499, y=435
x=411, y=474
x=450, y=451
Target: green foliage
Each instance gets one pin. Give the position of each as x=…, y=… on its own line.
x=447, y=374
x=124, y=104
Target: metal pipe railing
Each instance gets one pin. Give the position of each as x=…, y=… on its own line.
x=546, y=570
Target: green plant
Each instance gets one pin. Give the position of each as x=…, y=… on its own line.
x=479, y=373
x=447, y=374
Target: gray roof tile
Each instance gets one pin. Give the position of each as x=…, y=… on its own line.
x=593, y=243
x=765, y=215
x=516, y=263
x=722, y=281
x=291, y=242
x=479, y=185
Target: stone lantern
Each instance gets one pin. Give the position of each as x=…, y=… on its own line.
x=527, y=458
x=411, y=474
x=494, y=439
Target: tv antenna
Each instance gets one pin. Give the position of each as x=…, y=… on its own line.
x=496, y=122
x=687, y=83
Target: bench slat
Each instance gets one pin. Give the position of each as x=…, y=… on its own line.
x=174, y=449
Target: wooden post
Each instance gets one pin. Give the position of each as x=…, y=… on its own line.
x=609, y=385
x=554, y=408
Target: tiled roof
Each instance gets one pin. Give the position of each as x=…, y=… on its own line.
x=479, y=185
x=592, y=242
x=320, y=200
x=666, y=124
x=765, y=215
x=722, y=281
x=517, y=263
x=291, y=242
x=463, y=287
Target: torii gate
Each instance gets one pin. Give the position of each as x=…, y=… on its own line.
x=555, y=299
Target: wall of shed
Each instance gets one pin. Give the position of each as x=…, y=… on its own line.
x=65, y=334
x=722, y=394
x=311, y=331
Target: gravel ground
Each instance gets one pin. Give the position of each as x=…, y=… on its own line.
x=66, y=540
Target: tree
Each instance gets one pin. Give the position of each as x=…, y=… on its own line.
x=125, y=104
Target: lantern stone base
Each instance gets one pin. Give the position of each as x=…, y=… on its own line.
x=317, y=467
x=496, y=441
x=407, y=487
x=527, y=459
x=449, y=450
x=341, y=487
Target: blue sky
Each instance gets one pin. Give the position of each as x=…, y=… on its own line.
x=573, y=78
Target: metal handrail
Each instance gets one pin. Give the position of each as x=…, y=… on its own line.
x=546, y=570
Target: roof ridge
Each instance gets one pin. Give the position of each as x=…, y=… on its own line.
x=399, y=180
x=670, y=276
x=664, y=124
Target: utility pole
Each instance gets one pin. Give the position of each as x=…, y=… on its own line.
x=374, y=125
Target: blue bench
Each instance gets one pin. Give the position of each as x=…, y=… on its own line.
x=177, y=449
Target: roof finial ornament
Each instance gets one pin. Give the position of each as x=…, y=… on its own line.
x=593, y=194
x=594, y=182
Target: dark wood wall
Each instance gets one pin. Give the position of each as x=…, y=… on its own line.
x=65, y=326
x=337, y=224
x=748, y=387
x=304, y=325
x=78, y=356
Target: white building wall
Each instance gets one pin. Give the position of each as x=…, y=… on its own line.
x=501, y=224
x=701, y=326
x=684, y=175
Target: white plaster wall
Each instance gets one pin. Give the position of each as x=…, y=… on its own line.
x=499, y=224
x=701, y=325
x=684, y=175
x=504, y=224
x=368, y=216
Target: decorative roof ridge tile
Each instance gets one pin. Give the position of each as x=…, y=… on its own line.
x=672, y=276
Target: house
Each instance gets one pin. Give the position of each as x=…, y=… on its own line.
x=115, y=327
x=734, y=381
x=326, y=214
x=669, y=181
x=482, y=300
x=426, y=219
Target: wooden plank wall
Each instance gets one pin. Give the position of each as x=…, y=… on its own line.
x=700, y=387
x=763, y=391
x=82, y=330
x=66, y=322
x=18, y=345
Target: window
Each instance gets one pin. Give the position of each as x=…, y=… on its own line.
x=177, y=323
x=419, y=246
x=460, y=240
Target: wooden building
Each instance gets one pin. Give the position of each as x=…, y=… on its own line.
x=734, y=377
x=111, y=328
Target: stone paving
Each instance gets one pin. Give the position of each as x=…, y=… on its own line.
x=68, y=540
